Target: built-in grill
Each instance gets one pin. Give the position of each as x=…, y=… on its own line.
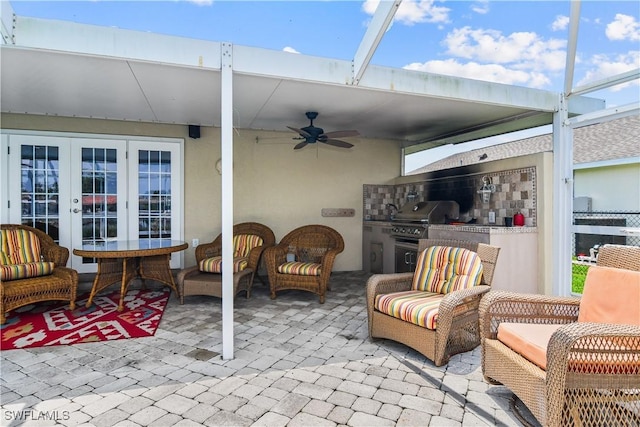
x=411, y=223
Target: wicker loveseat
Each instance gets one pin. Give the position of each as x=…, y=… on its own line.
x=303, y=260
x=440, y=323
x=250, y=239
x=571, y=361
x=32, y=269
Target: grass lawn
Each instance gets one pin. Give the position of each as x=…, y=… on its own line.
x=578, y=275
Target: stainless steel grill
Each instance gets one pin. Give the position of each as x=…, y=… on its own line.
x=411, y=224
x=413, y=220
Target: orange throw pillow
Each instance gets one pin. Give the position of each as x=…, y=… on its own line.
x=611, y=295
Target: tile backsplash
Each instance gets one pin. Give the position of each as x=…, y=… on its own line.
x=515, y=192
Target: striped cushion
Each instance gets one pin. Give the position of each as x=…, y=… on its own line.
x=417, y=307
x=19, y=246
x=300, y=268
x=243, y=243
x=214, y=264
x=23, y=271
x=444, y=269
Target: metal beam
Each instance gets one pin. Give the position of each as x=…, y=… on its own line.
x=226, y=147
x=7, y=22
x=572, y=44
x=607, y=82
x=600, y=116
x=377, y=27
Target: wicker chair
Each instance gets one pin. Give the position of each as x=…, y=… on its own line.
x=61, y=284
x=457, y=325
x=192, y=281
x=315, y=248
x=605, y=389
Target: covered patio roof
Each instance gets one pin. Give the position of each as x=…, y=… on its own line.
x=75, y=70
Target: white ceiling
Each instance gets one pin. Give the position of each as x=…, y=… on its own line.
x=123, y=75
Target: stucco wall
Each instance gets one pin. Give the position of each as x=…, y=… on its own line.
x=611, y=188
x=273, y=184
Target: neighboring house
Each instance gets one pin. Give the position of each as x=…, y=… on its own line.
x=606, y=161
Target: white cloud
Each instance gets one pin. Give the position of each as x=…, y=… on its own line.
x=605, y=67
x=201, y=2
x=369, y=6
x=561, y=23
x=623, y=27
x=413, y=11
x=481, y=7
x=290, y=49
x=523, y=50
x=487, y=72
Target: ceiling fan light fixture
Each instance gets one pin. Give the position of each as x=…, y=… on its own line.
x=312, y=134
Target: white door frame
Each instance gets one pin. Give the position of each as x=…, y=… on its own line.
x=10, y=190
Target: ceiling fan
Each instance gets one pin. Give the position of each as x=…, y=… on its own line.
x=312, y=134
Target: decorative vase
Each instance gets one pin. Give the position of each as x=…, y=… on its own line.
x=518, y=220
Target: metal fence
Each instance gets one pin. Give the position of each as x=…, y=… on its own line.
x=604, y=227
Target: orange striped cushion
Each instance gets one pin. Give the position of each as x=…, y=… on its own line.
x=214, y=264
x=243, y=243
x=23, y=271
x=444, y=269
x=417, y=307
x=300, y=268
x=19, y=246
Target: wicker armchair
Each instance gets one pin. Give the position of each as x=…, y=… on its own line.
x=314, y=248
x=61, y=284
x=592, y=372
x=192, y=281
x=457, y=325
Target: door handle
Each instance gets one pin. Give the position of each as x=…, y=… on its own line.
x=76, y=210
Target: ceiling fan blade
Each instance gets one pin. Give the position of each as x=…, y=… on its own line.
x=300, y=132
x=342, y=133
x=338, y=143
x=300, y=145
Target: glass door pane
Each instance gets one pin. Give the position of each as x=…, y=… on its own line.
x=99, y=194
x=98, y=181
x=40, y=188
x=154, y=194
x=156, y=188
x=38, y=192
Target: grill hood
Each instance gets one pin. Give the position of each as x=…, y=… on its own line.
x=433, y=212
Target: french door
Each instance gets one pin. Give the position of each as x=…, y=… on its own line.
x=82, y=190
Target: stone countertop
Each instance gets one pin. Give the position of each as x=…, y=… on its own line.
x=377, y=223
x=469, y=228
x=480, y=228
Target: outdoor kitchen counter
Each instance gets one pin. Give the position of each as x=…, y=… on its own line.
x=377, y=247
x=517, y=268
x=479, y=228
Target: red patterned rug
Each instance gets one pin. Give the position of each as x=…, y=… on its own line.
x=52, y=323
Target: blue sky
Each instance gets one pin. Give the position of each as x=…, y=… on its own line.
x=515, y=42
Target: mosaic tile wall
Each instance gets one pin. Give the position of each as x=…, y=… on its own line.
x=514, y=192
x=376, y=201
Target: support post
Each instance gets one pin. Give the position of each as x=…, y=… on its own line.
x=226, y=146
x=562, y=199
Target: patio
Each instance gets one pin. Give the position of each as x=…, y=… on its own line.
x=297, y=363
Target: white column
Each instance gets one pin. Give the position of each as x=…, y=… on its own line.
x=562, y=199
x=226, y=143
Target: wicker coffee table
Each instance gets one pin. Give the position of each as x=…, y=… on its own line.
x=125, y=260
